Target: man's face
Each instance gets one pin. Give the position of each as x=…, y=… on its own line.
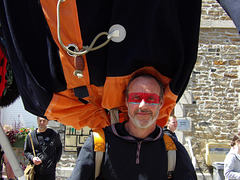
x=172, y=125
x=143, y=102
x=42, y=124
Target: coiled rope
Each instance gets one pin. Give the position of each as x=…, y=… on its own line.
x=85, y=49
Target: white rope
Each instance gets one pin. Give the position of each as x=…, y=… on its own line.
x=85, y=49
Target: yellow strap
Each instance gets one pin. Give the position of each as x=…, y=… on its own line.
x=170, y=145
x=99, y=140
x=32, y=144
x=171, y=151
x=99, y=148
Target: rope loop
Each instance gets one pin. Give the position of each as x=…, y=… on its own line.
x=85, y=49
x=78, y=73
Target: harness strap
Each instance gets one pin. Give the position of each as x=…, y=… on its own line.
x=114, y=115
x=30, y=136
x=99, y=148
x=171, y=151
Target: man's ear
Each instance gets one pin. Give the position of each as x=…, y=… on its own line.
x=126, y=101
x=161, y=103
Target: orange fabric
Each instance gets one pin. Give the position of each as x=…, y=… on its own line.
x=170, y=145
x=65, y=107
x=70, y=34
x=68, y=110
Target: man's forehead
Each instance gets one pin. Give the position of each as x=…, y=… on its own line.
x=144, y=84
x=173, y=120
x=41, y=119
x=145, y=79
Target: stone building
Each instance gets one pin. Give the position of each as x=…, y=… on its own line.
x=211, y=99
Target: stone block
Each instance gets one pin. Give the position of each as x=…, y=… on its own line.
x=64, y=172
x=219, y=62
x=179, y=110
x=186, y=98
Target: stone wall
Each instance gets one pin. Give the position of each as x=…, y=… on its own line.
x=211, y=10
x=214, y=84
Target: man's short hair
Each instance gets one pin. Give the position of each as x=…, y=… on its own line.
x=161, y=93
x=42, y=118
x=171, y=117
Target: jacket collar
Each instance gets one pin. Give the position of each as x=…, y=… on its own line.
x=119, y=130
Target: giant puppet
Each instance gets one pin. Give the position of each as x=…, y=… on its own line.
x=70, y=65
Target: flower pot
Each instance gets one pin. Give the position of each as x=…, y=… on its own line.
x=19, y=143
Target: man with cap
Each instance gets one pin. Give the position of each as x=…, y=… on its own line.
x=48, y=150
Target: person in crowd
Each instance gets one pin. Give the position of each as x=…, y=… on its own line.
x=48, y=150
x=135, y=149
x=232, y=160
x=171, y=126
x=9, y=171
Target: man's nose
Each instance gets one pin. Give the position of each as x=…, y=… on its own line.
x=142, y=104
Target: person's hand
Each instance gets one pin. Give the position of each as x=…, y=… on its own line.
x=37, y=160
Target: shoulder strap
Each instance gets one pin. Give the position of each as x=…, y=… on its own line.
x=32, y=144
x=99, y=149
x=171, y=151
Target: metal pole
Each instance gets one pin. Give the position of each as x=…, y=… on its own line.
x=7, y=148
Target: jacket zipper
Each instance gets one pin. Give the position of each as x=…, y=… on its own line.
x=139, y=143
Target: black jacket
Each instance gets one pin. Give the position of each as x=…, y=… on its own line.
x=128, y=158
x=49, y=155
